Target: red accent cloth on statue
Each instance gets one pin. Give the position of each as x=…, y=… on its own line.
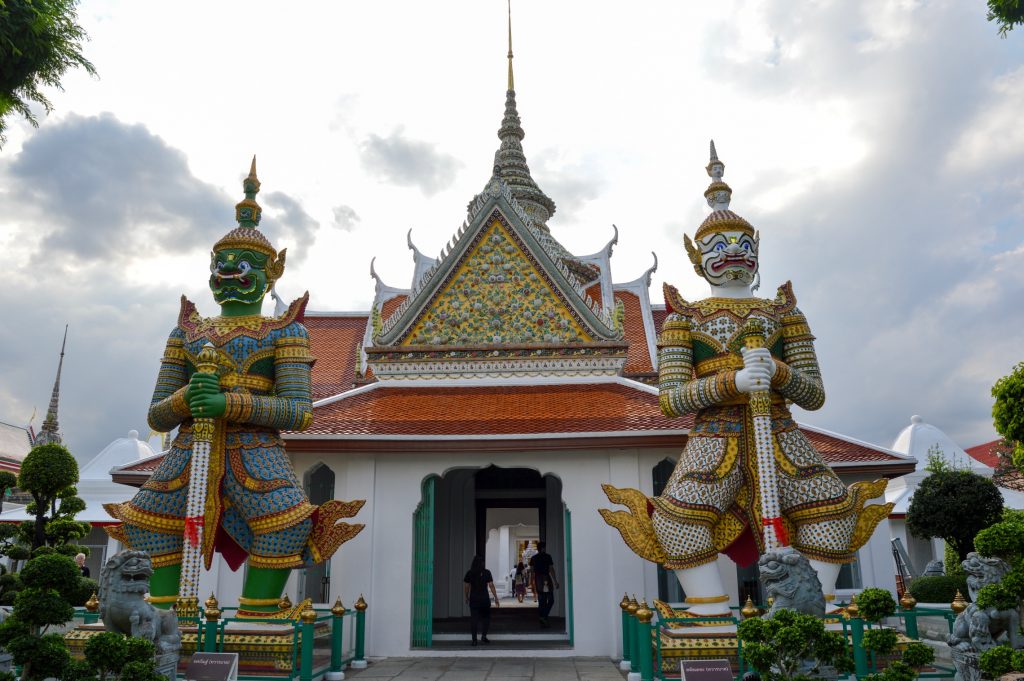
x=192, y=525
x=780, y=530
x=743, y=549
x=234, y=555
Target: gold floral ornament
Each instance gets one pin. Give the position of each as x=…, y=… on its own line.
x=635, y=524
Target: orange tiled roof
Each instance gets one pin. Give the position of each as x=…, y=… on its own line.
x=494, y=410
x=836, y=450
x=472, y=412
x=659, y=312
x=388, y=307
x=333, y=341
x=638, y=357
x=988, y=453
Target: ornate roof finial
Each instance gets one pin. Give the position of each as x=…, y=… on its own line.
x=718, y=193
x=511, y=80
x=50, y=433
x=247, y=211
x=509, y=159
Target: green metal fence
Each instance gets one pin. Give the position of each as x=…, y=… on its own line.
x=642, y=640
x=312, y=656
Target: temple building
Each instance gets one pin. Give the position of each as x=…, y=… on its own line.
x=480, y=408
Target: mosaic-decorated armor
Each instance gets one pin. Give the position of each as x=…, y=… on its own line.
x=261, y=510
x=713, y=494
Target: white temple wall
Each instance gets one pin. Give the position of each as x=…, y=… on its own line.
x=378, y=563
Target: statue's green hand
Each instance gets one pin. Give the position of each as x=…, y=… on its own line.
x=208, y=406
x=202, y=386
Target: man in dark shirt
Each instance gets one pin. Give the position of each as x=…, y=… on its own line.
x=475, y=585
x=544, y=582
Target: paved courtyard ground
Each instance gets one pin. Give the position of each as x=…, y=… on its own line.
x=489, y=669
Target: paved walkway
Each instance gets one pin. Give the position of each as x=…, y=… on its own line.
x=489, y=669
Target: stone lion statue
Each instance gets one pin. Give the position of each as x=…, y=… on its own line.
x=124, y=582
x=791, y=582
x=977, y=628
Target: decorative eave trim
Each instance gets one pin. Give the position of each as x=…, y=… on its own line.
x=641, y=288
x=603, y=260
x=382, y=291
x=486, y=437
x=421, y=263
x=490, y=382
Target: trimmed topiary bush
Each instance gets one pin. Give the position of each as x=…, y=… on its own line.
x=779, y=647
x=941, y=589
x=876, y=604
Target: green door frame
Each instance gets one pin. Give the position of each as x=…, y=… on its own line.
x=567, y=529
x=423, y=567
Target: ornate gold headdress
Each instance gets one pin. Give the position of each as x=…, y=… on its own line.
x=718, y=195
x=246, y=235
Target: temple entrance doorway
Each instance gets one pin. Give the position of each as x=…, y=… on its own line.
x=501, y=514
x=315, y=581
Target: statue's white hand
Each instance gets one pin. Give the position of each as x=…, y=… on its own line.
x=753, y=379
x=759, y=357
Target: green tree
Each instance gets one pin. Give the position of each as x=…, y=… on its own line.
x=1008, y=13
x=111, y=656
x=954, y=506
x=49, y=473
x=781, y=647
x=8, y=481
x=42, y=602
x=1008, y=410
x=39, y=41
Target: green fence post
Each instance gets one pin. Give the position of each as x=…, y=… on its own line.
x=337, y=639
x=308, y=617
x=907, y=603
x=92, y=609
x=643, y=641
x=360, y=660
x=634, y=660
x=624, y=607
x=212, y=612
x=860, y=657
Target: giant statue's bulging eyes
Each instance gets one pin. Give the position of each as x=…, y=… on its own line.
x=244, y=266
x=719, y=247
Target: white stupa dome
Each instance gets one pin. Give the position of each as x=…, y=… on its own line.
x=922, y=440
x=122, y=451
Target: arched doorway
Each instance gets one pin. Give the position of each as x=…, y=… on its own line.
x=496, y=513
x=668, y=586
x=315, y=581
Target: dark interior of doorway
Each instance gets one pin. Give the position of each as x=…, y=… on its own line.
x=511, y=627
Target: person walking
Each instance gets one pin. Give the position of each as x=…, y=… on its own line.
x=544, y=582
x=475, y=586
x=519, y=582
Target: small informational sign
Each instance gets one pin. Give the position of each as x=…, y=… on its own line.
x=706, y=670
x=212, y=667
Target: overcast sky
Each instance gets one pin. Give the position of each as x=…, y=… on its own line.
x=877, y=146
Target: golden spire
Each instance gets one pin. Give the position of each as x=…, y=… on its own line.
x=511, y=80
